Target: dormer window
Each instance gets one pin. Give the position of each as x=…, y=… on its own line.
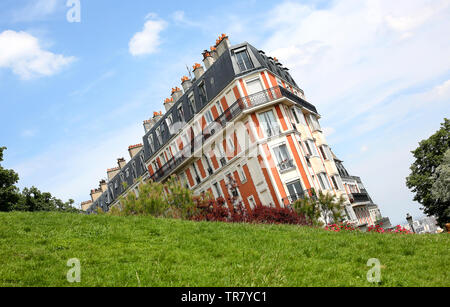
x=181, y=113
x=243, y=60
x=208, y=116
x=191, y=102
x=151, y=142
x=202, y=93
x=158, y=135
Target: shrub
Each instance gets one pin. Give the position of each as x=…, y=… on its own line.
x=218, y=211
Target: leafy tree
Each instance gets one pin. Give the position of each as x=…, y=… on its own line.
x=308, y=207
x=325, y=205
x=9, y=193
x=441, y=185
x=30, y=199
x=168, y=199
x=429, y=156
x=330, y=207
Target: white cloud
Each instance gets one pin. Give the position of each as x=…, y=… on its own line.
x=148, y=40
x=36, y=10
x=71, y=169
x=22, y=53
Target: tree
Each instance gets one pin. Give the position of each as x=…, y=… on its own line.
x=9, y=193
x=330, y=207
x=11, y=199
x=308, y=207
x=441, y=186
x=325, y=205
x=429, y=156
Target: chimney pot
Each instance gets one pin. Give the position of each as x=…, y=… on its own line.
x=186, y=83
x=121, y=162
x=134, y=149
x=198, y=70
x=222, y=44
x=208, y=60
x=176, y=94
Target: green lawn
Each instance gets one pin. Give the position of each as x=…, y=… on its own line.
x=133, y=251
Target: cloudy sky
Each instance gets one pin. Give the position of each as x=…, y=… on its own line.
x=74, y=94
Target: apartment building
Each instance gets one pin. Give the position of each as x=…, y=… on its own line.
x=361, y=209
x=240, y=128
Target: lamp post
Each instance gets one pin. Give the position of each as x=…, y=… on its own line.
x=410, y=222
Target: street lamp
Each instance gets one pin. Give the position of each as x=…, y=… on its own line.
x=410, y=222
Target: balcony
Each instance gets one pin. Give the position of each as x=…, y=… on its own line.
x=359, y=198
x=231, y=113
x=286, y=165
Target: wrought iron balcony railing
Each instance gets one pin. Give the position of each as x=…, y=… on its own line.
x=359, y=197
x=231, y=113
x=286, y=165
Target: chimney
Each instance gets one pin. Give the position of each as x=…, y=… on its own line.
x=208, y=60
x=134, y=149
x=95, y=194
x=176, y=94
x=121, y=162
x=222, y=44
x=168, y=103
x=85, y=205
x=214, y=53
x=186, y=83
x=112, y=172
x=198, y=70
x=157, y=116
x=103, y=185
x=148, y=124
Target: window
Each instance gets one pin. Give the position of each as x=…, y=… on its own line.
x=243, y=60
x=217, y=190
x=222, y=155
x=295, y=190
x=230, y=145
x=219, y=107
x=337, y=182
x=284, y=160
x=325, y=151
x=241, y=173
x=181, y=113
x=314, y=122
x=197, y=176
x=251, y=202
x=324, y=181
x=310, y=148
x=133, y=168
x=162, y=158
x=141, y=157
x=169, y=121
x=202, y=93
x=191, y=103
x=208, y=164
x=127, y=172
x=298, y=116
x=269, y=123
x=151, y=142
x=158, y=135
x=208, y=116
x=254, y=86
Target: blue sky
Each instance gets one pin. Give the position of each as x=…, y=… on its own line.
x=74, y=95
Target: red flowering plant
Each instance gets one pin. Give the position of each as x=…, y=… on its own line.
x=344, y=226
x=397, y=229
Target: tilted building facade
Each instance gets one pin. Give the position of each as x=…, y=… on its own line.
x=243, y=120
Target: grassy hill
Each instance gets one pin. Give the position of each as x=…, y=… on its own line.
x=133, y=251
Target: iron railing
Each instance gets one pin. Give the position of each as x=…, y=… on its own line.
x=220, y=122
x=286, y=165
x=359, y=197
